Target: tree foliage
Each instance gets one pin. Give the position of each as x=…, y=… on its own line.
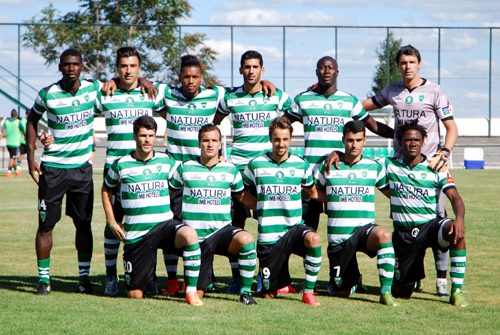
x=380, y=75
x=100, y=27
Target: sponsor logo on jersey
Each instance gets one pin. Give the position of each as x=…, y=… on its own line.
x=409, y=100
x=252, y=104
x=130, y=101
x=211, y=180
x=223, y=176
x=415, y=232
x=75, y=104
x=327, y=108
x=325, y=120
x=147, y=173
x=207, y=193
x=446, y=110
x=191, y=108
x=265, y=173
x=195, y=176
x=265, y=99
x=79, y=117
x=280, y=176
x=349, y=190
x=147, y=186
x=412, y=176
x=158, y=167
x=364, y=173
x=335, y=174
x=128, y=113
x=341, y=104
x=204, y=105
x=86, y=97
x=141, y=97
x=421, y=97
x=60, y=104
x=292, y=171
x=424, y=175
x=448, y=179
x=239, y=102
x=351, y=177
x=410, y=192
x=338, y=281
x=279, y=189
x=43, y=216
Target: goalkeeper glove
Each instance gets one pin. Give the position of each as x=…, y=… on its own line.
x=439, y=161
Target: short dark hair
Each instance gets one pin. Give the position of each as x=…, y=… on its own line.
x=13, y=113
x=127, y=52
x=282, y=123
x=144, y=121
x=354, y=126
x=190, y=60
x=28, y=111
x=70, y=52
x=408, y=50
x=411, y=125
x=251, y=54
x=206, y=128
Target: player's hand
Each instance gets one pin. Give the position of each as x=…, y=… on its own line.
x=149, y=88
x=334, y=159
x=34, y=170
x=268, y=87
x=223, y=159
x=458, y=228
x=109, y=88
x=46, y=140
x=117, y=230
x=440, y=160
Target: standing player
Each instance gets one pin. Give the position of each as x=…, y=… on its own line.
x=121, y=110
x=148, y=225
x=350, y=198
x=22, y=147
x=414, y=192
x=280, y=178
x=208, y=185
x=251, y=111
x=187, y=109
x=14, y=130
x=416, y=98
x=65, y=170
x=323, y=111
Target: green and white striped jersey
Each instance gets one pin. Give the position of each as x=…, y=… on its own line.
x=324, y=120
x=185, y=118
x=414, y=191
x=251, y=115
x=144, y=192
x=350, y=192
x=279, y=194
x=120, y=111
x=206, y=200
x=70, y=121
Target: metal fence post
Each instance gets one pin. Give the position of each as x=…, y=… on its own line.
x=284, y=58
x=232, y=57
x=439, y=56
x=489, y=85
x=19, y=66
x=388, y=61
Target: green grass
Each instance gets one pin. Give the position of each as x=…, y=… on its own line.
x=65, y=312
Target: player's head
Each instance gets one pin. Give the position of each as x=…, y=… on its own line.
x=354, y=138
x=13, y=114
x=209, y=141
x=145, y=133
x=71, y=65
x=327, y=71
x=409, y=62
x=191, y=76
x=280, y=134
x=411, y=137
x=252, y=67
x=128, y=66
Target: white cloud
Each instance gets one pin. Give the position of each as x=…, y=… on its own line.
x=477, y=96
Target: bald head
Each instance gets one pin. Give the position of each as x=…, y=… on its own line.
x=327, y=72
x=326, y=58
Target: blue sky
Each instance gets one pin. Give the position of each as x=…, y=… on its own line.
x=464, y=53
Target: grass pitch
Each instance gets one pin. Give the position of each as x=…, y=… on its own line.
x=65, y=312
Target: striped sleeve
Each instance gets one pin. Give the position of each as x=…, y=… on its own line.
x=112, y=178
x=248, y=175
x=307, y=181
x=381, y=182
x=319, y=176
x=237, y=185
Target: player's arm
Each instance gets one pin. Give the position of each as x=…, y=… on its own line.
x=246, y=199
x=115, y=227
x=2, y=134
x=268, y=87
x=31, y=130
x=386, y=191
x=147, y=87
x=218, y=118
x=451, y=134
x=458, y=226
x=369, y=104
x=316, y=194
x=440, y=161
x=378, y=128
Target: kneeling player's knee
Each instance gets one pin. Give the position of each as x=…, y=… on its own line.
x=313, y=240
x=44, y=231
x=189, y=235
x=244, y=238
x=384, y=235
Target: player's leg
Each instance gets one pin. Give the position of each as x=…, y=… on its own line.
x=243, y=246
x=380, y=241
x=171, y=260
x=440, y=257
x=79, y=206
x=458, y=258
x=186, y=239
x=239, y=215
x=51, y=190
x=312, y=242
x=12, y=161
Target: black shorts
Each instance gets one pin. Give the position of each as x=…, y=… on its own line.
x=311, y=209
x=410, y=244
x=139, y=259
x=217, y=244
x=13, y=151
x=273, y=259
x=239, y=211
x=78, y=186
x=344, y=270
x=176, y=203
x=116, y=199
x=22, y=149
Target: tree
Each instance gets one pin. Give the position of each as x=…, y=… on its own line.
x=380, y=75
x=100, y=27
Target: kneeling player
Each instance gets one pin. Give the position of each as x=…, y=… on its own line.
x=414, y=192
x=206, y=207
x=350, y=198
x=279, y=178
x=148, y=225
